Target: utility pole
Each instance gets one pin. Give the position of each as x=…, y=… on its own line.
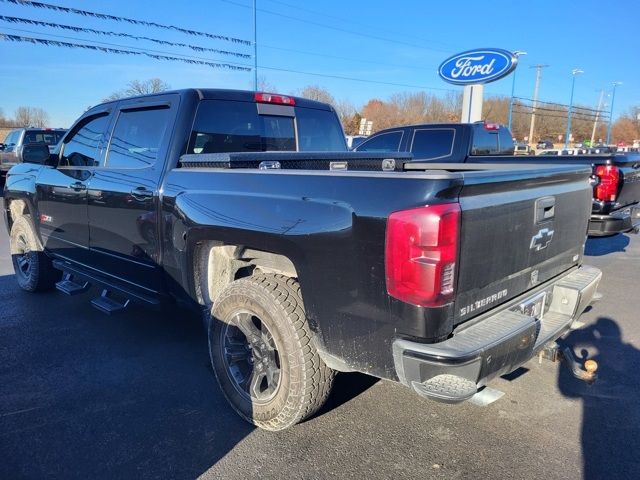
x=613, y=97
x=595, y=124
x=535, y=99
x=255, y=47
x=567, y=137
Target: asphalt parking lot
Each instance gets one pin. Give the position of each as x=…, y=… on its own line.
x=85, y=395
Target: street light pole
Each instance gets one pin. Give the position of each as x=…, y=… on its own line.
x=567, y=137
x=516, y=54
x=613, y=97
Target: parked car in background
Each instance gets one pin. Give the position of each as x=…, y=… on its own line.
x=548, y=144
x=11, y=148
x=616, y=177
x=305, y=262
x=522, y=149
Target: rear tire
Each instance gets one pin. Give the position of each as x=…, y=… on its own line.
x=34, y=270
x=262, y=354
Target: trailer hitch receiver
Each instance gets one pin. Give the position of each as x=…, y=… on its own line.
x=561, y=353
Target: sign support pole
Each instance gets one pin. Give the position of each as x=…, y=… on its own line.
x=472, y=103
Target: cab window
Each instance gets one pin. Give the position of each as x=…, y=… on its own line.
x=385, y=142
x=137, y=136
x=431, y=144
x=82, y=148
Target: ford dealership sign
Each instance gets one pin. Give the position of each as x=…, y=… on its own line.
x=478, y=66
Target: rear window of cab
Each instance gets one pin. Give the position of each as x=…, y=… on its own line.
x=223, y=126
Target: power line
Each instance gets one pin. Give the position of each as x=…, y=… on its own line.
x=340, y=77
x=352, y=60
x=331, y=27
x=353, y=22
x=73, y=28
x=58, y=43
x=105, y=16
x=205, y=61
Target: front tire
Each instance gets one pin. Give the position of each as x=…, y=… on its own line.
x=34, y=270
x=262, y=354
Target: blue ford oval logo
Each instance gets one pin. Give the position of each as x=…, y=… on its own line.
x=478, y=66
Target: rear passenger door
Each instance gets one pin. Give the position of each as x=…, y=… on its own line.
x=123, y=196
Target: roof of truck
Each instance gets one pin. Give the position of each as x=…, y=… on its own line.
x=228, y=94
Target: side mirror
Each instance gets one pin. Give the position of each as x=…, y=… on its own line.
x=2, y=145
x=37, y=153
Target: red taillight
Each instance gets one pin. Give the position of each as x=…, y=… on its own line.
x=607, y=189
x=273, y=98
x=421, y=253
x=491, y=126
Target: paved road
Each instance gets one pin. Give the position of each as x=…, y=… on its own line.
x=86, y=395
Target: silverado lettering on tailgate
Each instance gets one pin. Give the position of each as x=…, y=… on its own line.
x=484, y=302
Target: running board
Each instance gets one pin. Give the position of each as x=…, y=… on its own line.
x=115, y=297
x=109, y=305
x=70, y=287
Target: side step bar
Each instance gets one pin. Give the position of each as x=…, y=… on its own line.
x=115, y=296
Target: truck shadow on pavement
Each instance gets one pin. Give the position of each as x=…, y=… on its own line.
x=611, y=417
x=599, y=246
x=86, y=395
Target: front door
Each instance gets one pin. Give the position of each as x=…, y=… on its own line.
x=62, y=190
x=124, y=226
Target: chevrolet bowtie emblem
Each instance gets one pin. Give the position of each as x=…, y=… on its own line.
x=541, y=240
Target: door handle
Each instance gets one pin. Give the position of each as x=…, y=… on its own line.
x=141, y=193
x=545, y=208
x=78, y=186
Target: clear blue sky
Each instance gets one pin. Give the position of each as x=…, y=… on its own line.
x=414, y=37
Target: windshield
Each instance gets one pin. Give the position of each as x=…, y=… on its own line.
x=223, y=126
x=50, y=137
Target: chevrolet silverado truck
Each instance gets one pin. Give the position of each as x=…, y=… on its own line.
x=306, y=259
x=615, y=206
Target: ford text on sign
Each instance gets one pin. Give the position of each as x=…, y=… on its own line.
x=477, y=66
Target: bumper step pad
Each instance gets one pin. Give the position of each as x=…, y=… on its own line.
x=447, y=388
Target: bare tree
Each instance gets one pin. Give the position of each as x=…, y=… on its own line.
x=317, y=93
x=138, y=87
x=31, y=117
x=264, y=85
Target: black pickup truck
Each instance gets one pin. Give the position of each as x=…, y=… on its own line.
x=306, y=258
x=616, y=177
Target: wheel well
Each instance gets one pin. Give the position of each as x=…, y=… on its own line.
x=216, y=265
x=15, y=209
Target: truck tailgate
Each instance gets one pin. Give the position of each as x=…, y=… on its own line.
x=629, y=166
x=518, y=230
